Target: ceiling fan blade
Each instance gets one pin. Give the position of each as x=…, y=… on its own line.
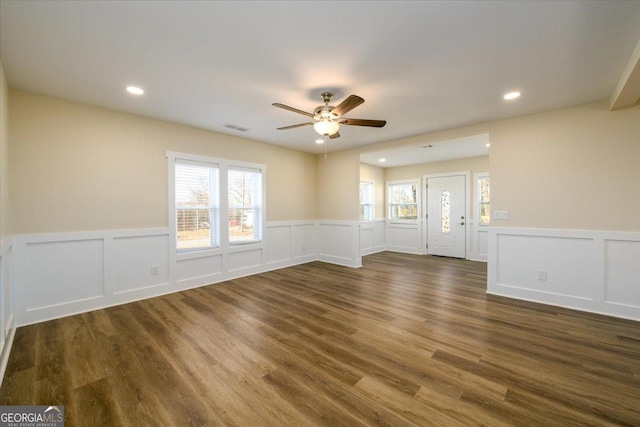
x=295, y=110
x=363, y=122
x=348, y=104
x=296, y=126
x=335, y=135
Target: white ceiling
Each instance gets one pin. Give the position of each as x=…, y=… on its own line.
x=470, y=146
x=422, y=66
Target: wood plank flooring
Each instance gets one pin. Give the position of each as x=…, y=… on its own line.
x=405, y=340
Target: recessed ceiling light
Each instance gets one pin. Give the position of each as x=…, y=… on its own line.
x=487, y=145
x=382, y=160
x=319, y=141
x=512, y=95
x=135, y=90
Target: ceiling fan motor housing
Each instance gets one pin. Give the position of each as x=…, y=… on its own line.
x=324, y=113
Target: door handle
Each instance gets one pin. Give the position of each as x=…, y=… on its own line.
x=462, y=223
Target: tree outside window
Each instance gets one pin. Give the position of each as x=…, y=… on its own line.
x=245, y=205
x=403, y=201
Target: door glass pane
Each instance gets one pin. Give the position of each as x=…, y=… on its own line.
x=446, y=211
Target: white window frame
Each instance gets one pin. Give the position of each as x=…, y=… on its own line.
x=476, y=196
x=223, y=167
x=418, y=203
x=373, y=200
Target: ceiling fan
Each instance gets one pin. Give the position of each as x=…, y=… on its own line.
x=329, y=118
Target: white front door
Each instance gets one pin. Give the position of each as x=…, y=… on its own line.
x=446, y=221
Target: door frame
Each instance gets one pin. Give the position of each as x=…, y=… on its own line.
x=467, y=210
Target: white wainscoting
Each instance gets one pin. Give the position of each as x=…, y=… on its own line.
x=594, y=271
x=289, y=243
x=405, y=237
x=408, y=238
x=7, y=319
x=340, y=243
x=372, y=237
x=479, y=243
x=61, y=274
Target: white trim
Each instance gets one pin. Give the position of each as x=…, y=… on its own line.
x=477, y=229
x=7, y=307
x=6, y=348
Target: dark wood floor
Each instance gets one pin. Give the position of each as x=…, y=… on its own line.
x=406, y=340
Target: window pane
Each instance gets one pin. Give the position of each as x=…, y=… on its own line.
x=485, y=215
x=366, y=200
x=403, y=193
x=404, y=212
x=245, y=206
x=194, y=228
x=196, y=211
x=445, y=215
x=403, y=201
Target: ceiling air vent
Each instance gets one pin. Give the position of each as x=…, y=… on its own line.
x=234, y=127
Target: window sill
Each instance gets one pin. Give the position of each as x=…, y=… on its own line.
x=244, y=243
x=197, y=253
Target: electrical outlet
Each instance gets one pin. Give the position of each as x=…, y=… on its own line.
x=155, y=270
x=304, y=248
x=542, y=275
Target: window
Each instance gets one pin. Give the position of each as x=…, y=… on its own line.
x=245, y=205
x=366, y=201
x=403, y=201
x=214, y=203
x=196, y=203
x=482, y=197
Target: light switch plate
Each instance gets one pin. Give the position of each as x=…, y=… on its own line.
x=501, y=215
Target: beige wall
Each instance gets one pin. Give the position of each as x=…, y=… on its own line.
x=5, y=223
x=84, y=168
x=472, y=164
x=573, y=168
x=376, y=175
x=87, y=168
x=576, y=168
x=339, y=186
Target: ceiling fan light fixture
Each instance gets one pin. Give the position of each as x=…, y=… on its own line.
x=326, y=127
